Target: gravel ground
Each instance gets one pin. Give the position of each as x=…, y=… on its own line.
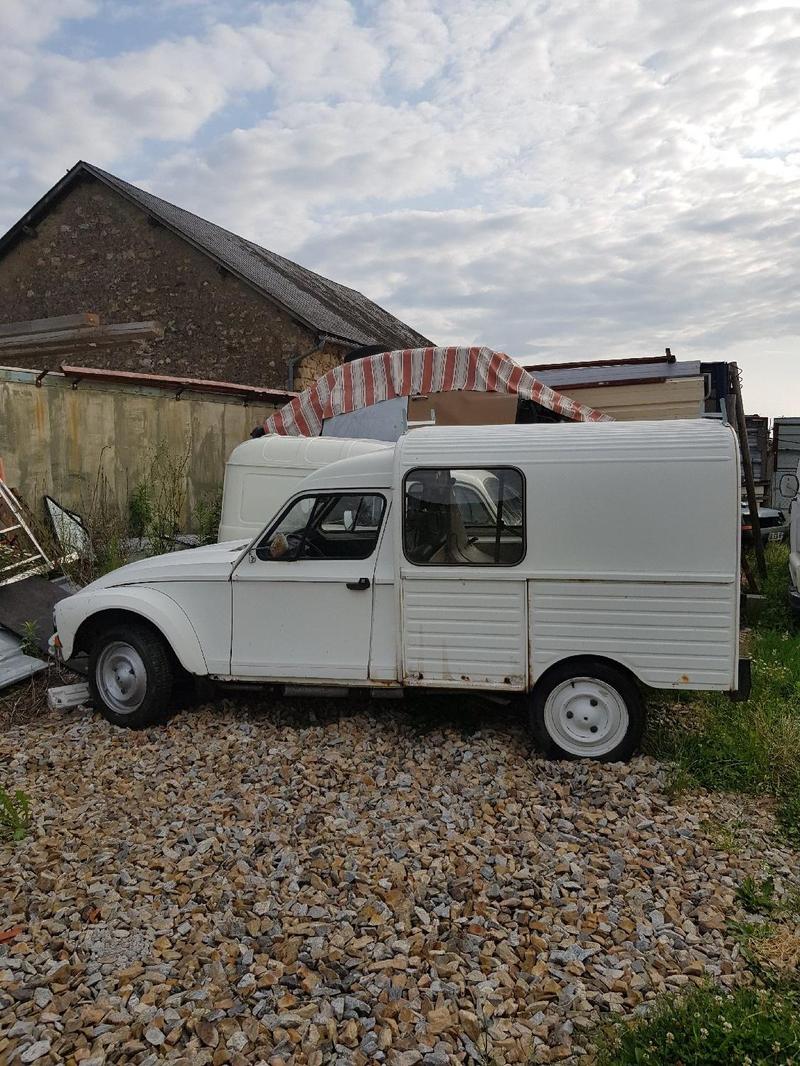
x=286, y=883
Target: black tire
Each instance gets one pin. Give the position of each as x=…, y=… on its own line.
x=610, y=679
x=154, y=689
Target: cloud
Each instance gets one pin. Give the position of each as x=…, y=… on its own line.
x=557, y=180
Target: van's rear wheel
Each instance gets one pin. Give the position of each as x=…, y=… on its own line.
x=131, y=676
x=587, y=709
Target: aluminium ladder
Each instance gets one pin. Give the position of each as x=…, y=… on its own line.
x=21, y=554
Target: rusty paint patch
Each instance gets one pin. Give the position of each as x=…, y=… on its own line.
x=684, y=679
x=39, y=413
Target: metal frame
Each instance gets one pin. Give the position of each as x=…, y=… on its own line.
x=10, y=500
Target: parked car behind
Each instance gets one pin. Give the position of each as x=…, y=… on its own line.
x=606, y=562
x=774, y=524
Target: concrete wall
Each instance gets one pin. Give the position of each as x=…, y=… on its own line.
x=94, y=251
x=54, y=439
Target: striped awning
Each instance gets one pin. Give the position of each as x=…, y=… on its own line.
x=416, y=372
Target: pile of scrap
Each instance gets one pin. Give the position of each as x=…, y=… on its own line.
x=49, y=340
x=27, y=596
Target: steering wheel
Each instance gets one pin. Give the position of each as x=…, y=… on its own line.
x=310, y=550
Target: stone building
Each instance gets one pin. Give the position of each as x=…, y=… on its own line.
x=232, y=310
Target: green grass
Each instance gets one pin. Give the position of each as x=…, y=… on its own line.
x=749, y=1027
x=751, y=747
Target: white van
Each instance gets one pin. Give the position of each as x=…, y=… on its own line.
x=608, y=562
x=262, y=474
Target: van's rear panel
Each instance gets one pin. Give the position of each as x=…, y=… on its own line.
x=668, y=635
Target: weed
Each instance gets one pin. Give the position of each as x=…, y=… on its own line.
x=106, y=530
x=206, y=516
x=750, y=1027
x=30, y=639
x=679, y=781
x=156, y=503
x=725, y=837
x=14, y=815
x=771, y=943
x=140, y=510
x=757, y=896
x=775, y=613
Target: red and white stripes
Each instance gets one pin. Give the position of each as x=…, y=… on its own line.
x=416, y=372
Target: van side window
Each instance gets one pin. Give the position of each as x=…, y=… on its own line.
x=331, y=526
x=464, y=517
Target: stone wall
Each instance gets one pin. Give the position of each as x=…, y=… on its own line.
x=315, y=365
x=94, y=251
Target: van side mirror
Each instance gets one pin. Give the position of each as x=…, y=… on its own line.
x=789, y=486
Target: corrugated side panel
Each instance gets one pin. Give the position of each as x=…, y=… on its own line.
x=669, y=635
x=464, y=631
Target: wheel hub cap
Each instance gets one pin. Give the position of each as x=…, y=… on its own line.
x=586, y=717
x=121, y=677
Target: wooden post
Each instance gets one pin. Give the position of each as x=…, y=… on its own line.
x=752, y=584
x=747, y=467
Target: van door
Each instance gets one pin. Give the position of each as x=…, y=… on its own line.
x=302, y=597
x=463, y=597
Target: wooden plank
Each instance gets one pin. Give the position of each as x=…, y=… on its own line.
x=747, y=466
x=49, y=325
x=55, y=341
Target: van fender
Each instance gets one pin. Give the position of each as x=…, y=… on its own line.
x=157, y=608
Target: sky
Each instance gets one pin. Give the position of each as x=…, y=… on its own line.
x=575, y=179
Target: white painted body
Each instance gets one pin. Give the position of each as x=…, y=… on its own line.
x=262, y=474
x=632, y=556
x=794, y=547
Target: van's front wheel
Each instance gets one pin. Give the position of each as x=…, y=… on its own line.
x=587, y=709
x=131, y=676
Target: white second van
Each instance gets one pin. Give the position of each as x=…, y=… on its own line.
x=261, y=474
x=598, y=561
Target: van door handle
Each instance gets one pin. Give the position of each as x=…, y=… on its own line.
x=359, y=586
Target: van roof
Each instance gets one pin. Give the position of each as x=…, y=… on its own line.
x=369, y=470
x=308, y=453
x=670, y=439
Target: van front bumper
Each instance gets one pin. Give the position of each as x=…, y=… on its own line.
x=744, y=684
